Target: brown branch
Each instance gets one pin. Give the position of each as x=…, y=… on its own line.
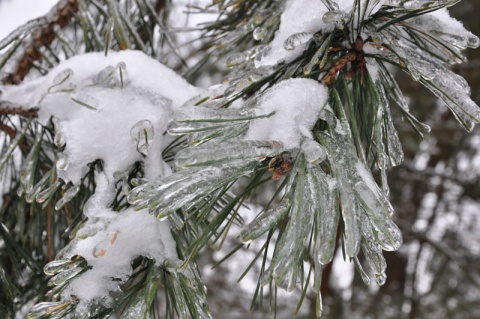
x=8, y=108
x=63, y=12
x=10, y=131
x=158, y=7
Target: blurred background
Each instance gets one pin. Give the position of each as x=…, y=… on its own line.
x=436, y=196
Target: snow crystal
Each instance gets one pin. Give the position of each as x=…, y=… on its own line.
x=297, y=104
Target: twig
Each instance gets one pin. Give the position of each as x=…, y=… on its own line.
x=62, y=14
x=8, y=108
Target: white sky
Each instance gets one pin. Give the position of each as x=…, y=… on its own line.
x=14, y=13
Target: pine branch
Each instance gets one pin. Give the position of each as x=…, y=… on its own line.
x=42, y=36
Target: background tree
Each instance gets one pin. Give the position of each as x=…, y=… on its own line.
x=330, y=73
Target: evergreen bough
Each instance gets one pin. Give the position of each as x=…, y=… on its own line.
x=326, y=197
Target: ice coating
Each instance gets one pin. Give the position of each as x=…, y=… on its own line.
x=297, y=104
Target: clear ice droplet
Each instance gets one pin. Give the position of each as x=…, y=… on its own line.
x=296, y=40
x=259, y=33
x=380, y=279
x=142, y=133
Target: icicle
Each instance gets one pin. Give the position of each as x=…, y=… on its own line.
x=371, y=249
x=67, y=196
x=282, y=259
x=183, y=189
x=379, y=212
x=28, y=170
x=363, y=274
x=85, y=100
x=30, y=196
x=142, y=132
x=295, y=239
x=194, y=156
x=193, y=114
x=220, y=134
x=176, y=128
x=264, y=222
x=397, y=96
x=42, y=309
x=455, y=92
x=341, y=152
x=296, y=40
x=56, y=266
x=145, y=191
x=384, y=182
x=47, y=193
x=287, y=279
x=327, y=215
x=236, y=59
x=394, y=146
x=62, y=277
x=283, y=256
